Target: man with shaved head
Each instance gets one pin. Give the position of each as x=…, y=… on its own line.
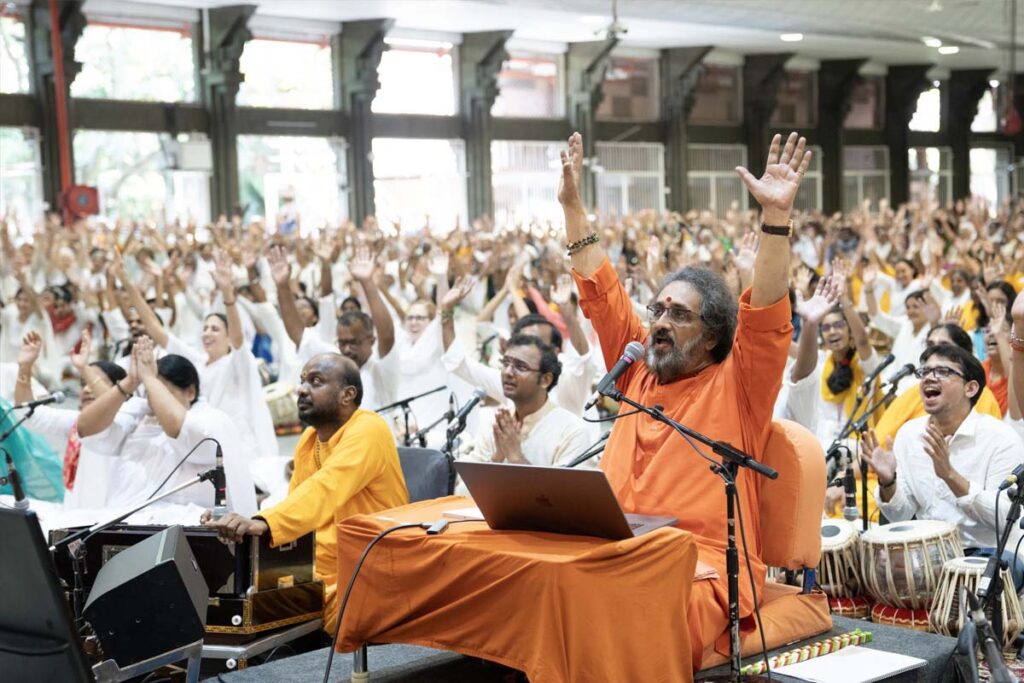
x=346, y=464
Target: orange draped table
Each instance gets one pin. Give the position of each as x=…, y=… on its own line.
x=559, y=608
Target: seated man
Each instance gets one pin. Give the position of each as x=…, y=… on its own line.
x=346, y=464
x=539, y=432
x=949, y=464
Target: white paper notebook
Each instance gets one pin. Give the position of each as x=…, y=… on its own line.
x=852, y=665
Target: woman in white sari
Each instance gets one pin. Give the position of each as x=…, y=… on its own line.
x=228, y=371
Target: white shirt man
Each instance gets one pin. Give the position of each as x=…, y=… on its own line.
x=949, y=464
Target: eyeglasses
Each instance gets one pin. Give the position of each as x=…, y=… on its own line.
x=517, y=366
x=677, y=315
x=828, y=327
x=938, y=372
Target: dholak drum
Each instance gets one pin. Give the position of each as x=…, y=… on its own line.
x=284, y=411
x=950, y=607
x=839, y=569
x=901, y=562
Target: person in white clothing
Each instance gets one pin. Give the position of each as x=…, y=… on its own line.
x=229, y=373
x=26, y=315
x=538, y=432
x=949, y=464
x=909, y=333
x=88, y=471
x=368, y=340
x=155, y=436
x=420, y=348
x=899, y=286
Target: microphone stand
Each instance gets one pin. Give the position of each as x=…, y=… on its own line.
x=591, y=451
x=76, y=541
x=407, y=411
x=732, y=460
x=990, y=587
x=7, y=434
x=421, y=435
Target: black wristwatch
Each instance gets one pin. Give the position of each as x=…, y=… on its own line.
x=780, y=230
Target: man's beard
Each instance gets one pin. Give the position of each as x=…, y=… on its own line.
x=670, y=365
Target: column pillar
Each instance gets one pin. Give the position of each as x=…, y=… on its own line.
x=587, y=64
x=762, y=75
x=226, y=32
x=903, y=84
x=40, y=53
x=836, y=78
x=681, y=69
x=965, y=88
x=357, y=53
x=481, y=57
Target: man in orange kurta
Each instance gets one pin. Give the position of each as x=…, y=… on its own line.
x=346, y=463
x=712, y=367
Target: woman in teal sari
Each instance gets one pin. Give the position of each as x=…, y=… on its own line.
x=38, y=464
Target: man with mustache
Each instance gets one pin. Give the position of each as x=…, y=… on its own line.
x=346, y=464
x=713, y=366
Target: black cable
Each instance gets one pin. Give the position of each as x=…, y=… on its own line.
x=753, y=589
x=270, y=655
x=180, y=463
x=1015, y=560
x=610, y=418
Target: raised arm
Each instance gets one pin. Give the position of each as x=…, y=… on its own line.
x=99, y=414
x=587, y=256
x=222, y=276
x=561, y=294
x=486, y=313
x=169, y=411
x=447, y=305
x=775, y=191
x=812, y=312
x=361, y=267
x=150, y=320
x=281, y=272
x=31, y=346
x=1016, y=384
x=856, y=325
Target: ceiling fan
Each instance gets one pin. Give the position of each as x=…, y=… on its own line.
x=616, y=28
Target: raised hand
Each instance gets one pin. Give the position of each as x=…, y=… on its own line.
x=31, y=347
x=880, y=459
x=437, y=261
x=143, y=358
x=280, y=269
x=802, y=279
x=826, y=296
x=514, y=277
x=222, y=273
x=997, y=318
x=572, y=171
x=746, y=253
x=776, y=189
x=361, y=266
x=561, y=291
x=869, y=276
x=1018, y=310
x=81, y=358
x=463, y=286
x=953, y=315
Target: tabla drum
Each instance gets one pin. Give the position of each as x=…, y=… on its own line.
x=949, y=611
x=901, y=563
x=857, y=607
x=284, y=412
x=839, y=569
x=901, y=617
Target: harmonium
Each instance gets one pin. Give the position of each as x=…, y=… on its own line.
x=253, y=587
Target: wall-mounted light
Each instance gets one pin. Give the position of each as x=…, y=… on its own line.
x=791, y=37
x=931, y=42
x=948, y=50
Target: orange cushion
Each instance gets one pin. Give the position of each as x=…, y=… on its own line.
x=787, y=615
x=791, y=505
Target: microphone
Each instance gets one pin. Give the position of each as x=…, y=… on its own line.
x=886, y=362
x=55, y=397
x=905, y=371
x=633, y=352
x=850, y=486
x=460, y=417
x=20, y=502
x=220, y=487
x=1013, y=478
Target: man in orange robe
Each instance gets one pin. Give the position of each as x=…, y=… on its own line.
x=717, y=375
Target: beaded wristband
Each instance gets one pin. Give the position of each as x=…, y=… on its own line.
x=577, y=246
x=121, y=389
x=447, y=315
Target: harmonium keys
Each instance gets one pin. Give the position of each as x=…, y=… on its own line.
x=253, y=587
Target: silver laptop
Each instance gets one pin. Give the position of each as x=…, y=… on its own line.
x=555, y=499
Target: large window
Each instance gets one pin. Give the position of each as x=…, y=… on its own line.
x=522, y=176
x=293, y=180
x=718, y=98
x=630, y=177
x=990, y=108
x=417, y=77
x=530, y=86
x=990, y=174
x=14, y=69
x=711, y=178
x=865, y=175
x=808, y=197
x=928, y=115
x=420, y=183
x=797, y=104
x=286, y=73
x=21, y=191
x=867, y=104
x=131, y=63
x=931, y=174
x=630, y=90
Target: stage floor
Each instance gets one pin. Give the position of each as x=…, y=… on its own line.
x=405, y=663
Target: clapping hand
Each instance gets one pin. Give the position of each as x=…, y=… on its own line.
x=879, y=458
x=143, y=358
x=507, y=438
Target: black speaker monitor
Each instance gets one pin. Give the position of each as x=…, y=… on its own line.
x=148, y=599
